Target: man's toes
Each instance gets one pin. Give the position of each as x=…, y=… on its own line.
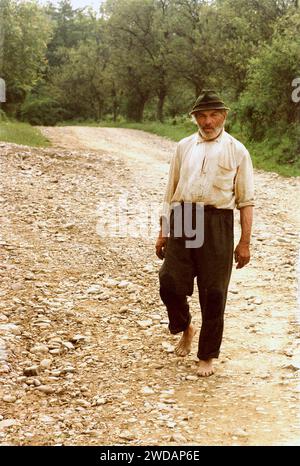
x=205, y=373
x=180, y=351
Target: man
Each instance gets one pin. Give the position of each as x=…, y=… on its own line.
x=214, y=170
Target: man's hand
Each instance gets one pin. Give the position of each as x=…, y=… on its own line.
x=242, y=254
x=160, y=246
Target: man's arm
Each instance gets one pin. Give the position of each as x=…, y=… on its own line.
x=173, y=178
x=242, y=251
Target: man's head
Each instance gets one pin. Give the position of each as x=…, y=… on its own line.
x=210, y=122
x=209, y=113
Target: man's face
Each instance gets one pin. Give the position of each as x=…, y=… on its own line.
x=210, y=122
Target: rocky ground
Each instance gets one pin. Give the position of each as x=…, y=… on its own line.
x=85, y=353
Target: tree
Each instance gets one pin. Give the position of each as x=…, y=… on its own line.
x=25, y=34
x=138, y=32
x=82, y=84
x=242, y=27
x=266, y=106
x=192, y=43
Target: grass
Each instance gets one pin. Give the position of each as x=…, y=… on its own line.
x=22, y=133
x=264, y=158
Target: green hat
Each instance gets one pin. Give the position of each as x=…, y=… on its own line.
x=208, y=100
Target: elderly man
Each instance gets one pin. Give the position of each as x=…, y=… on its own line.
x=214, y=170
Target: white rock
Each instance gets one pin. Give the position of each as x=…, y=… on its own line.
x=258, y=301
x=147, y=391
x=123, y=284
x=83, y=403
x=45, y=364
x=39, y=349
x=47, y=419
x=192, y=377
x=47, y=389
x=168, y=347
x=110, y=282
x=77, y=338
x=9, y=398
x=149, y=268
x=10, y=328
x=127, y=435
x=94, y=289
x=145, y=323
x=7, y=423
x=171, y=424
x=156, y=317
x=68, y=344
x=4, y=369
x=101, y=401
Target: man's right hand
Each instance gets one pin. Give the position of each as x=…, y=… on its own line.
x=160, y=246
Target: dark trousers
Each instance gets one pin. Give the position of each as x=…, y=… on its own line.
x=211, y=264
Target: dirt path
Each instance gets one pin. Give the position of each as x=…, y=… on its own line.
x=85, y=354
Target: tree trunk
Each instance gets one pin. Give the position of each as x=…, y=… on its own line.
x=140, y=109
x=160, y=106
x=115, y=104
x=115, y=110
x=135, y=107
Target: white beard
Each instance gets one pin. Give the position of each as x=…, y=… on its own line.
x=213, y=135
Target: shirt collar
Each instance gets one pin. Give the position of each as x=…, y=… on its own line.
x=218, y=139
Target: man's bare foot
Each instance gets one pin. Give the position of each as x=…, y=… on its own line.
x=205, y=368
x=184, y=346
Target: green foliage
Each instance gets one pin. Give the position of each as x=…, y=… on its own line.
x=22, y=133
x=41, y=110
x=24, y=35
x=279, y=153
x=269, y=81
x=149, y=59
x=266, y=110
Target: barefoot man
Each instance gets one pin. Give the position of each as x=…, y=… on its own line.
x=214, y=170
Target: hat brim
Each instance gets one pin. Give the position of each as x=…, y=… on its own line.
x=208, y=107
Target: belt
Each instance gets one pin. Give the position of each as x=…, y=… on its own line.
x=206, y=207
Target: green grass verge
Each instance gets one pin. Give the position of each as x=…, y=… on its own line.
x=22, y=133
x=264, y=157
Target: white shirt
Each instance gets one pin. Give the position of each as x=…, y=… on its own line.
x=217, y=172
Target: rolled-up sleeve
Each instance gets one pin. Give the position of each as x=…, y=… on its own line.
x=173, y=178
x=244, y=182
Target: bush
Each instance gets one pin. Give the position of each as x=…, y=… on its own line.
x=42, y=110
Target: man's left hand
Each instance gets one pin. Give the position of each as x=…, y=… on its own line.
x=242, y=255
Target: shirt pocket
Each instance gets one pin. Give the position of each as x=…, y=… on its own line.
x=224, y=177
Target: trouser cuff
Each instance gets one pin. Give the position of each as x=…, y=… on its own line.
x=174, y=330
x=204, y=357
